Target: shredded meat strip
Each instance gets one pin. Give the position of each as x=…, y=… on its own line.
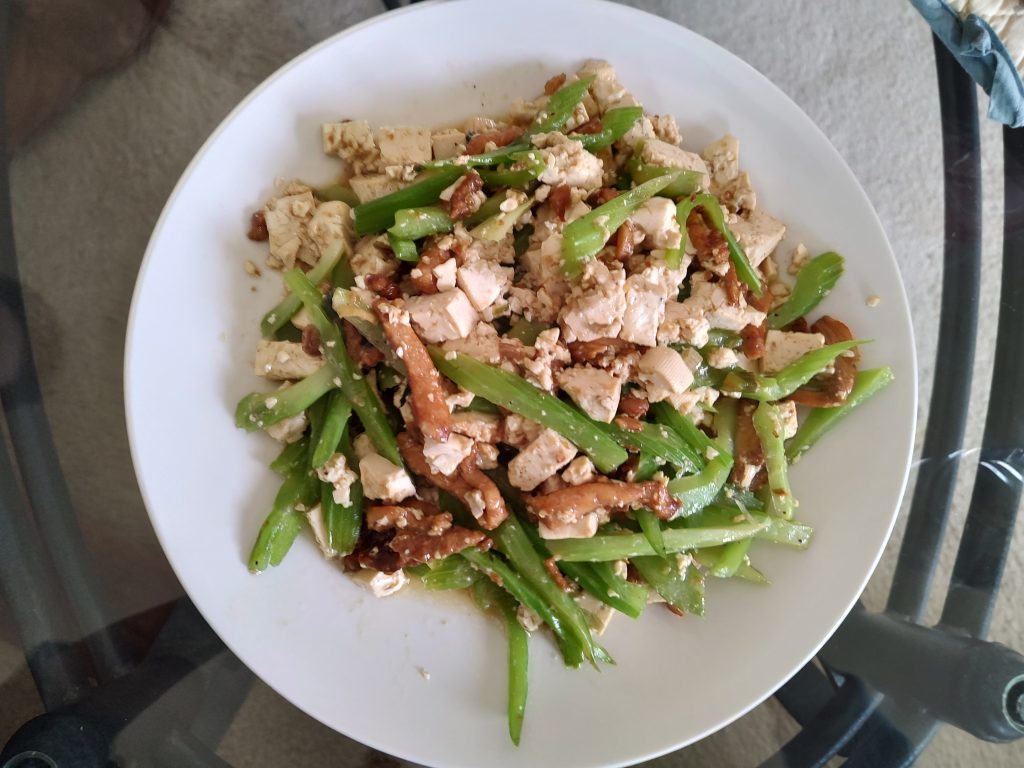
x=311, y=341
x=753, y=340
x=422, y=276
x=711, y=246
x=501, y=137
x=383, y=286
x=568, y=505
x=427, y=393
x=831, y=390
x=624, y=241
x=258, y=227
x=422, y=533
x=467, y=480
x=365, y=356
x=730, y=282
x=762, y=303
x=633, y=406
x=557, y=575
x=559, y=198
x=372, y=551
x=554, y=83
x=748, y=454
x=593, y=125
x=464, y=201
x=603, y=195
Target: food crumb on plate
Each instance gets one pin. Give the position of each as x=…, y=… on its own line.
x=423, y=673
x=874, y=301
x=251, y=268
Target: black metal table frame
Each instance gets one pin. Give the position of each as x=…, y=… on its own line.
x=109, y=697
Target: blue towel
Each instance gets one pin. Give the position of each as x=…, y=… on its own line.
x=983, y=55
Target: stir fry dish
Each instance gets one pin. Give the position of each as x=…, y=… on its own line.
x=553, y=359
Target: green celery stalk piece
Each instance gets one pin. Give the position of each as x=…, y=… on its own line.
x=790, y=378
x=769, y=428
x=515, y=393
x=820, y=420
x=584, y=237
x=289, y=305
x=623, y=546
x=378, y=215
x=713, y=210
x=813, y=284
x=259, y=410
x=414, y=223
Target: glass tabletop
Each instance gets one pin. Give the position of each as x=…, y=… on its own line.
x=101, y=655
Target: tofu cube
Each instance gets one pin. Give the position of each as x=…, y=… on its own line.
x=315, y=517
x=289, y=430
x=286, y=218
x=595, y=308
x=407, y=145
x=567, y=162
x=442, y=316
x=759, y=234
x=482, y=427
x=579, y=471
x=284, y=360
x=664, y=373
x=784, y=347
x=787, y=410
x=444, y=458
x=665, y=155
x=645, y=307
x=483, y=282
x=373, y=256
x=656, y=219
x=384, y=480
x=386, y=584
x=684, y=321
x=353, y=142
x=448, y=142
x=370, y=187
x=445, y=275
x=606, y=89
x=594, y=390
x=331, y=221
x=584, y=528
x=539, y=460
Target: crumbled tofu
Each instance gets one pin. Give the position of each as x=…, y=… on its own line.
x=336, y=472
x=476, y=504
x=665, y=155
x=445, y=275
x=353, y=142
x=289, y=430
x=722, y=357
x=384, y=480
x=666, y=129
x=483, y=344
x=484, y=282
x=386, y=584
x=567, y=162
x=539, y=460
x=596, y=305
x=656, y=219
x=798, y=258
x=372, y=186
x=479, y=124
x=594, y=390
x=759, y=233
x=579, y=471
x=787, y=412
x=784, y=347
x=447, y=142
x=408, y=145
x=547, y=351
x=527, y=619
x=302, y=318
x=372, y=256
x=486, y=456
x=598, y=614
x=315, y=517
x=482, y=427
x=684, y=322
x=251, y=269
x=663, y=372
x=442, y=316
x=646, y=293
x=606, y=89
x=711, y=299
x=461, y=398
x=284, y=360
x=286, y=218
x=584, y=528
x=445, y=457
x=518, y=431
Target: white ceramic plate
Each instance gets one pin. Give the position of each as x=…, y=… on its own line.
x=360, y=665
